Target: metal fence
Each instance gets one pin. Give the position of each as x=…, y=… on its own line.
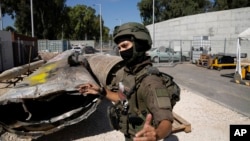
x=53, y=45
x=21, y=52
x=62, y=45
x=188, y=48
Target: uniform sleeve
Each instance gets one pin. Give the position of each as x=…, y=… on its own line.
x=157, y=98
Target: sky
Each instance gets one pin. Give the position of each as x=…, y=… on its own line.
x=114, y=12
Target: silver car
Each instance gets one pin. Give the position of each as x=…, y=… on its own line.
x=164, y=54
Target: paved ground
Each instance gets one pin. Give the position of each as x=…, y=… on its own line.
x=212, y=85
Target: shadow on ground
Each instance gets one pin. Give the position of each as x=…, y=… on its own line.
x=95, y=124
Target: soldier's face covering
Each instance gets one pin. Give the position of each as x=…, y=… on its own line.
x=125, y=46
x=127, y=54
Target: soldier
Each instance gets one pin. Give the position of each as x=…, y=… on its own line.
x=143, y=107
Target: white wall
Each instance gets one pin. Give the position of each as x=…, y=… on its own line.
x=223, y=28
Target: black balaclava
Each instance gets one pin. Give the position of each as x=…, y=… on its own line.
x=134, y=55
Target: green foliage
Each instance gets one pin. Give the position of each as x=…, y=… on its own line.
x=10, y=28
x=8, y=7
x=54, y=20
x=230, y=4
x=168, y=9
x=179, y=8
x=81, y=17
x=22, y=16
x=145, y=7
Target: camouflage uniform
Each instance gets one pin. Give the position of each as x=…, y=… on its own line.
x=138, y=97
x=150, y=97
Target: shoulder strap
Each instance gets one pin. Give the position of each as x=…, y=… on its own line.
x=149, y=70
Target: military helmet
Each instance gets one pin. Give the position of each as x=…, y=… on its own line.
x=139, y=31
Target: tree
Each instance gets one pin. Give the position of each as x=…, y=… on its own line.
x=179, y=8
x=22, y=16
x=48, y=16
x=8, y=7
x=239, y=4
x=54, y=20
x=10, y=28
x=85, y=24
x=167, y=9
x=145, y=7
x=230, y=4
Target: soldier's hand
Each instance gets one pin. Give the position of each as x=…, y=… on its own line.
x=88, y=89
x=148, y=132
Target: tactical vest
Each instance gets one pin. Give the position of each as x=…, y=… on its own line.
x=129, y=114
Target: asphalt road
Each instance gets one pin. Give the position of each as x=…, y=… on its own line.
x=212, y=85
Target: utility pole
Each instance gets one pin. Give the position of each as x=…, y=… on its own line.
x=100, y=7
x=1, y=17
x=31, y=13
x=62, y=32
x=153, y=23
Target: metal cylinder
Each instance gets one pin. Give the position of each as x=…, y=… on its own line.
x=104, y=66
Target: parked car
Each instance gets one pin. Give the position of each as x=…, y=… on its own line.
x=77, y=49
x=164, y=54
x=89, y=50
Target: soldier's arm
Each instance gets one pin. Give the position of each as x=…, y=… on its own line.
x=159, y=105
x=164, y=129
x=96, y=90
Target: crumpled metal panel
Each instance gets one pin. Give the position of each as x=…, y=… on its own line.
x=54, y=76
x=48, y=100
